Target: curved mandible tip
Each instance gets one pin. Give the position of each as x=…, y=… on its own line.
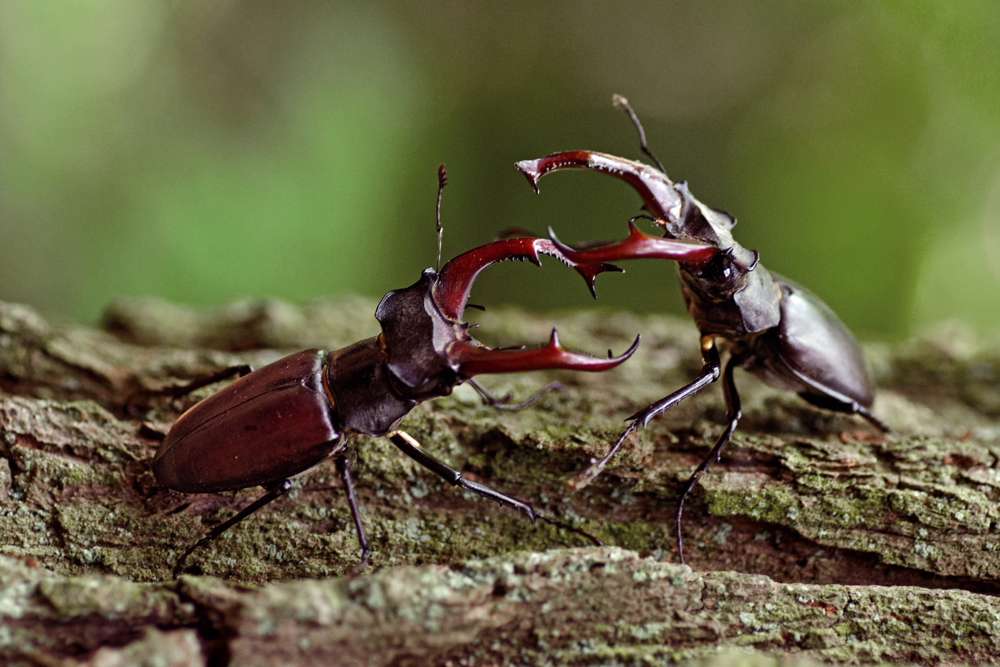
x=638, y=245
x=659, y=194
x=451, y=292
x=476, y=359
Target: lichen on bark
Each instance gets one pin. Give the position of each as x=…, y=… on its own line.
x=789, y=536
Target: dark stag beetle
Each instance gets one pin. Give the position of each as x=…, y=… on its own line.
x=771, y=326
x=279, y=421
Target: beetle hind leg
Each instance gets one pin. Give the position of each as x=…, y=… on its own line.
x=846, y=407
x=274, y=491
x=874, y=421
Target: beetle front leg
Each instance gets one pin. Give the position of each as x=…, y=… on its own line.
x=501, y=403
x=710, y=371
x=409, y=446
x=733, y=414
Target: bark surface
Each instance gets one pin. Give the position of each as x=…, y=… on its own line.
x=815, y=537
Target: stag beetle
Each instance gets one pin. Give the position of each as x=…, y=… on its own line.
x=288, y=416
x=770, y=326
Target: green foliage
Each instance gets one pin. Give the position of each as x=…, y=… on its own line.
x=208, y=151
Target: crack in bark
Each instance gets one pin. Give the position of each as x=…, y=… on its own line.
x=796, y=500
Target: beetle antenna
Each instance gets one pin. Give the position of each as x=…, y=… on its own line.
x=623, y=104
x=442, y=181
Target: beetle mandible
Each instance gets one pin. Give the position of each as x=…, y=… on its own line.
x=769, y=325
x=281, y=420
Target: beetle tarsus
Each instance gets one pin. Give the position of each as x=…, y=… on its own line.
x=502, y=403
x=584, y=478
x=875, y=421
x=710, y=373
x=573, y=529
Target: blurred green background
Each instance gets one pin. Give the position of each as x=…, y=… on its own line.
x=204, y=151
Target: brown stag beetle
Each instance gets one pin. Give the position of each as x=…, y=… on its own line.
x=770, y=326
x=281, y=420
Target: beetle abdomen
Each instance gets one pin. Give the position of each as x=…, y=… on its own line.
x=268, y=426
x=817, y=355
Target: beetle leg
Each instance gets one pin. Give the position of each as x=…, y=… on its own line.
x=733, y=414
x=501, y=403
x=873, y=420
x=475, y=359
x=274, y=491
x=409, y=446
x=639, y=245
x=344, y=468
x=846, y=406
x=709, y=373
x=595, y=469
x=825, y=398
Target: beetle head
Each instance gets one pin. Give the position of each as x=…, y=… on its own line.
x=416, y=337
x=428, y=349
x=721, y=276
x=673, y=207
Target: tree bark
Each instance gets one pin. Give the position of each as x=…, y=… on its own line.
x=815, y=536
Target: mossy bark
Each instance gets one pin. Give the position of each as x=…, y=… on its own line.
x=814, y=537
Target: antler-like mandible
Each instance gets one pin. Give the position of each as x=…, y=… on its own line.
x=660, y=196
x=475, y=359
x=455, y=281
x=639, y=245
